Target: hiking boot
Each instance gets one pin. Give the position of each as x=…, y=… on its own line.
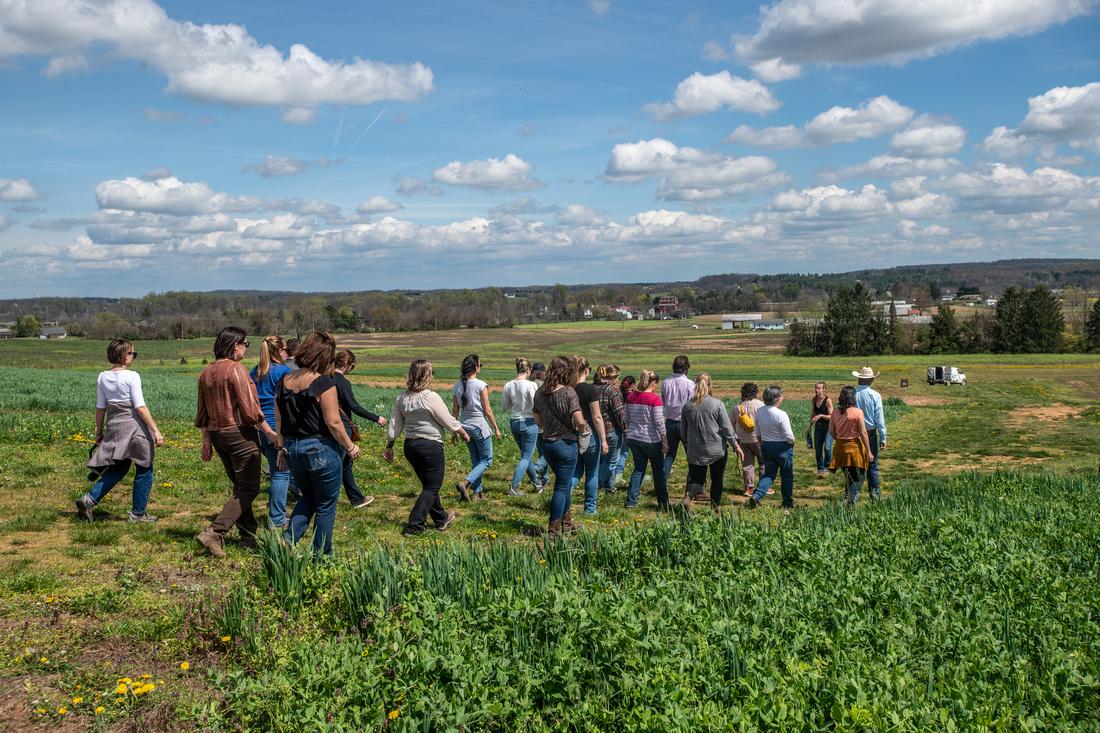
x=212, y=541
x=367, y=501
x=249, y=542
x=554, y=530
x=463, y=487
x=85, y=508
x=144, y=518
x=451, y=516
x=753, y=503
x=567, y=523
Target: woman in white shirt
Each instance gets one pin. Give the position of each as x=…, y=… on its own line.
x=125, y=433
x=472, y=408
x=773, y=430
x=518, y=398
x=423, y=416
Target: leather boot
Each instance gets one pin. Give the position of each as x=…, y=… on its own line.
x=567, y=523
x=554, y=530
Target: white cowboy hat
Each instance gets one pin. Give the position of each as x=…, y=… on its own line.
x=865, y=373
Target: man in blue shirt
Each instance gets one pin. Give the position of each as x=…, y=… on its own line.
x=870, y=402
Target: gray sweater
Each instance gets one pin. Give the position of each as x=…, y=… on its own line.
x=706, y=431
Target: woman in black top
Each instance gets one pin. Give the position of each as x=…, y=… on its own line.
x=307, y=412
x=345, y=362
x=819, y=424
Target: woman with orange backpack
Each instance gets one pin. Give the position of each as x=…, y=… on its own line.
x=743, y=417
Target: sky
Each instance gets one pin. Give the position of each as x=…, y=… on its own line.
x=339, y=146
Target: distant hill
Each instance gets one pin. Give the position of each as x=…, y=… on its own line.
x=177, y=314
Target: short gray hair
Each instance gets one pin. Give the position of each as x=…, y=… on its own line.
x=772, y=394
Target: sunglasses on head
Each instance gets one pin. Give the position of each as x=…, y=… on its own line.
x=244, y=343
x=131, y=353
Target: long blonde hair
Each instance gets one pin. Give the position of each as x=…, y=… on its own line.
x=702, y=388
x=645, y=379
x=269, y=354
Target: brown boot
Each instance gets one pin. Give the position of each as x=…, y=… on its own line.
x=554, y=530
x=567, y=523
x=210, y=539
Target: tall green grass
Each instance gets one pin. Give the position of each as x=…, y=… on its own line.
x=965, y=603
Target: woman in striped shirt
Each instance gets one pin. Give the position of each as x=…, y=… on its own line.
x=645, y=434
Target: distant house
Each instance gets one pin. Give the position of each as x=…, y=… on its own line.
x=731, y=321
x=51, y=333
x=900, y=307
x=666, y=305
x=772, y=324
x=7, y=333
x=624, y=313
x=991, y=302
x=947, y=296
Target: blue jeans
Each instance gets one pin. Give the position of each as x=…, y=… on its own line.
x=672, y=433
x=624, y=451
x=778, y=459
x=280, y=483
x=588, y=465
x=481, y=457
x=872, y=470
x=822, y=447
x=318, y=468
x=647, y=453
x=561, y=455
x=526, y=433
x=610, y=462
x=541, y=465
x=854, y=479
x=143, y=484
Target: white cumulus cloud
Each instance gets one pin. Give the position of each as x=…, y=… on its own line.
x=209, y=62
x=18, y=189
x=702, y=93
x=873, y=118
x=891, y=31
x=927, y=137
x=168, y=196
x=1062, y=115
x=510, y=173
x=378, y=205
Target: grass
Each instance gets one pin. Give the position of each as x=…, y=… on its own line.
x=140, y=597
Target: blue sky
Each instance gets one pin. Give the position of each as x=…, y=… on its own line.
x=352, y=146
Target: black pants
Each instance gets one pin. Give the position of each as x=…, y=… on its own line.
x=426, y=459
x=698, y=475
x=355, y=496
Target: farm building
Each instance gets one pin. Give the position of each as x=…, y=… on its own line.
x=51, y=333
x=900, y=306
x=666, y=305
x=7, y=333
x=740, y=320
x=772, y=324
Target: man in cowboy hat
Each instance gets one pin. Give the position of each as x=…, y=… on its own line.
x=870, y=402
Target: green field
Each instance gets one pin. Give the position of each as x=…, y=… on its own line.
x=968, y=597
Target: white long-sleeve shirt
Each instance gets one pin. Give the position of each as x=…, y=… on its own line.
x=773, y=425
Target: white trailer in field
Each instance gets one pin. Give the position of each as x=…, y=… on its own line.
x=945, y=375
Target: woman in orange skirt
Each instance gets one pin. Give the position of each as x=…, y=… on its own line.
x=852, y=446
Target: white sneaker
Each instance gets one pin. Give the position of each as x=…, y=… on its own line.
x=146, y=518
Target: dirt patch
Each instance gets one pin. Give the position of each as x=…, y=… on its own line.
x=1026, y=416
x=924, y=400
x=956, y=462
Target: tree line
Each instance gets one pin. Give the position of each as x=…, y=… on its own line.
x=1026, y=321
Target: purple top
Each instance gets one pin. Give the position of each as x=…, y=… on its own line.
x=676, y=391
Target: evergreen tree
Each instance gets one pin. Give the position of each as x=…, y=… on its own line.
x=851, y=326
x=1092, y=328
x=1045, y=322
x=944, y=333
x=1009, y=327
x=893, y=330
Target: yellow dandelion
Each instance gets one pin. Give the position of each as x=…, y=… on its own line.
x=99, y=710
x=77, y=700
x=393, y=714
x=126, y=680
x=227, y=638
x=145, y=677
x=160, y=682
x=185, y=666
x=42, y=660
x=80, y=687
x=40, y=711
x=62, y=710
x=121, y=689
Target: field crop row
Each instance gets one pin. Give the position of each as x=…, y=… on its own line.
x=968, y=603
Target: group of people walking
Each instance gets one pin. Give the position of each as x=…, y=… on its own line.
x=294, y=409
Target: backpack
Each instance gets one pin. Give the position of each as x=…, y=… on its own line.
x=745, y=419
